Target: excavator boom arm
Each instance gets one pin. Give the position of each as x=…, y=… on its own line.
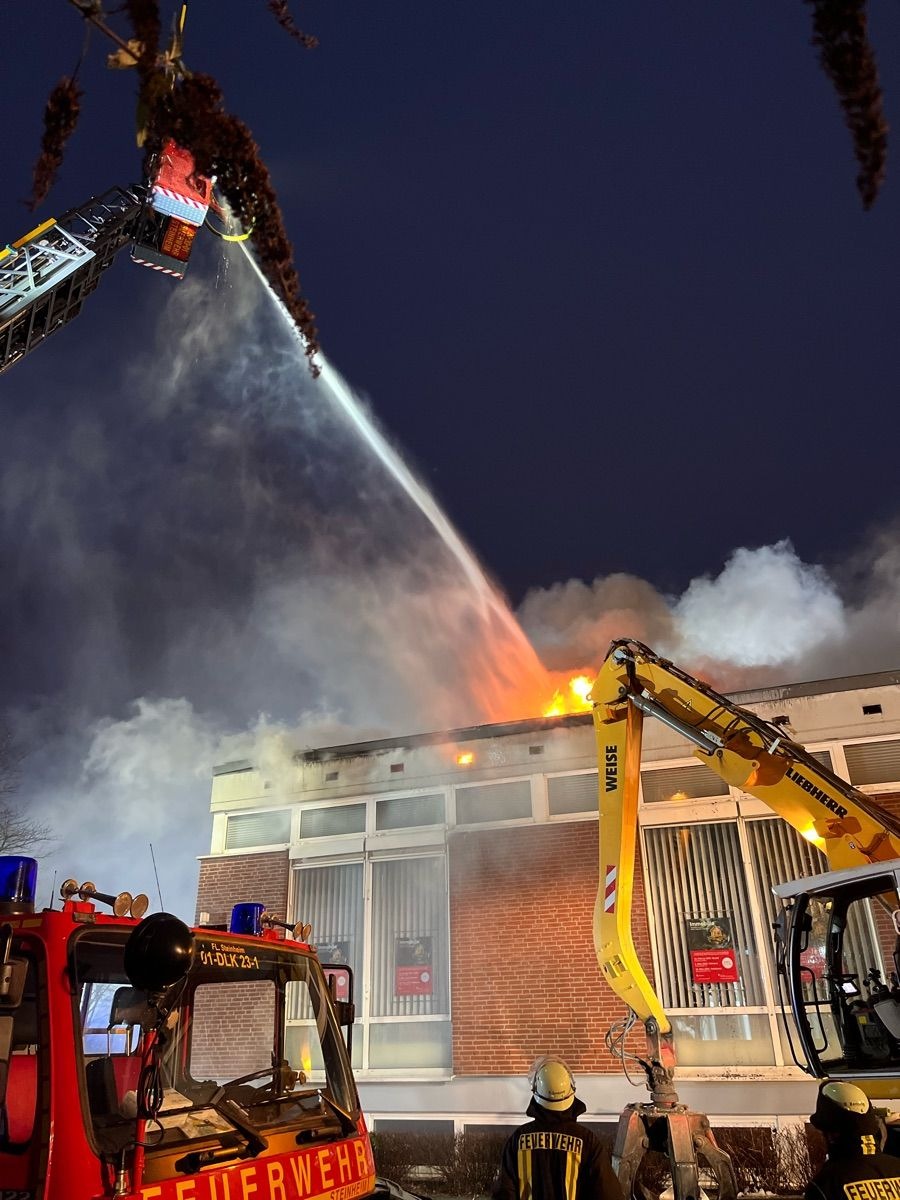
x=746, y=751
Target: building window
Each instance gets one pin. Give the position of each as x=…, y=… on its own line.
x=873, y=762
x=485, y=802
x=398, y=947
x=332, y=822
x=708, y=969
x=246, y=830
x=413, y=1125
x=410, y=812
x=681, y=783
x=572, y=793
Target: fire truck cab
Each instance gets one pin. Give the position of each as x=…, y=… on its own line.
x=142, y=1058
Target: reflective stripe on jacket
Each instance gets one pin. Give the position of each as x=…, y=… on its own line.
x=555, y=1158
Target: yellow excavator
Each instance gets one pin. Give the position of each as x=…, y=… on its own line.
x=837, y=934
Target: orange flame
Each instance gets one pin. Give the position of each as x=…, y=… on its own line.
x=572, y=700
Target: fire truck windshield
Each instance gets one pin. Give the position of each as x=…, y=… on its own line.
x=250, y=1040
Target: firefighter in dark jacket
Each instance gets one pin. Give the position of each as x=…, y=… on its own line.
x=857, y=1168
x=553, y=1157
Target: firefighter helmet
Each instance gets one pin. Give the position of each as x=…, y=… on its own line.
x=843, y=1109
x=553, y=1085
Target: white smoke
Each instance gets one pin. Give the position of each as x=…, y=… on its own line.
x=222, y=570
x=766, y=608
x=766, y=617
x=205, y=563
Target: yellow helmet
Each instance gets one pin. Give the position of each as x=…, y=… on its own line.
x=843, y=1109
x=553, y=1085
x=848, y=1096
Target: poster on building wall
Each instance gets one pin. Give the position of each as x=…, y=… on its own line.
x=336, y=954
x=812, y=959
x=711, y=946
x=413, y=973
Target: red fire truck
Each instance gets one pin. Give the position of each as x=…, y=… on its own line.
x=141, y=1058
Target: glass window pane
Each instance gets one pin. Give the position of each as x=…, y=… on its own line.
x=873, y=762
x=572, y=793
x=681, y=783
x=331, y=900
x=252, y=1006
x=702, y=913
x=409, y=812
x=822, y=757
x=409, y=1044
x=412, y=1125
x=709, y=1040
x=410, y=938
x=779, y=854
x=493, y=802
x=331, y=822
x=258, y=829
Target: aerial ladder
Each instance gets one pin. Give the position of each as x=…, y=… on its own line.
x=46, y=275
x=829, y=924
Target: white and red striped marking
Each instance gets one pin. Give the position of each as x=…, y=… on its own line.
x=156, y=267
x=164, y=191
x=609, y=895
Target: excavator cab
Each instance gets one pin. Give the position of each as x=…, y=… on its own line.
x=839, y=968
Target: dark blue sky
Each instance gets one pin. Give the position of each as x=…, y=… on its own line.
x=602, y=269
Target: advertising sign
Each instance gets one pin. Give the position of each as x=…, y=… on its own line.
x=711, y=946
x=413, y=973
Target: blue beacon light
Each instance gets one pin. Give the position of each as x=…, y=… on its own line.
x=247, y=918
x=18, y=883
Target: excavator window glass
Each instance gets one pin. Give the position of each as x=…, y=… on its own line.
x=847, y=993
x=225, y=1065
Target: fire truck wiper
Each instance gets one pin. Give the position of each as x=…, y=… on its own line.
x=255, y=1144
x=284, y=1079
x=325, y=1101
x=191, y=1163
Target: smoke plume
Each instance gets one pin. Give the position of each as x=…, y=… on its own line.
x=204, y=561
x=766, y=617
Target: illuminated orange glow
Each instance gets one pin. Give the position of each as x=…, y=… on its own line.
x=305, y=1060
x=572, y=699
x=465, y=759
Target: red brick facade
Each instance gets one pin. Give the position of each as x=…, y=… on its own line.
x=525, y=979
x=243, y=878
x=233, y=1029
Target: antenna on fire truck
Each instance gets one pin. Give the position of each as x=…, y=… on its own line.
x=156, y=873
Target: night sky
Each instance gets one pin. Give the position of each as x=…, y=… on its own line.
x=604, y=277
x=602, y=269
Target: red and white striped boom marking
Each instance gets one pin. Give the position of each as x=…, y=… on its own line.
x=609, y=896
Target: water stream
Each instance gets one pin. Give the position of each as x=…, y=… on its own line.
x=491, y=604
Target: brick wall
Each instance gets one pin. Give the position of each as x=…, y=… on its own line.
x=242, y=878
x=233, y=1029
x=524, y=974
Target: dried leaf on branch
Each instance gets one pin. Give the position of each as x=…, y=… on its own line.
x=840, y=31
x=60, y=119
x=282, y=14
